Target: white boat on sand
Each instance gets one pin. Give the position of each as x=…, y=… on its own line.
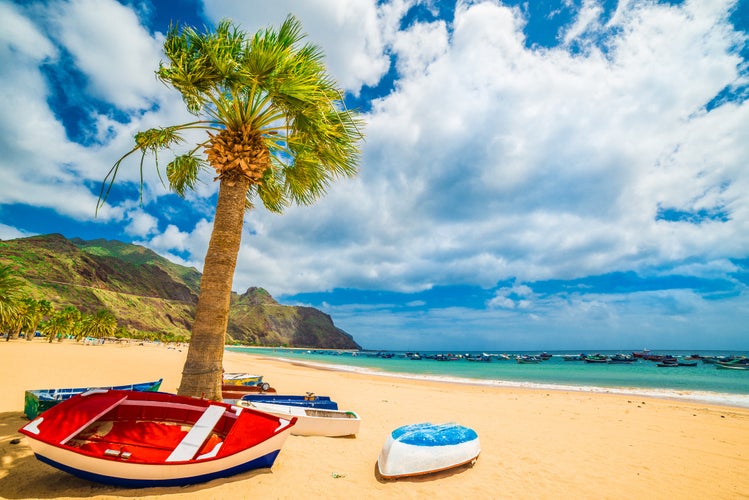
x=424, y=448
x=311, y=421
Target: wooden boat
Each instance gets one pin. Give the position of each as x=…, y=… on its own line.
x=596, y=358
x=245, y=379
x=38, y=400
x=234, y=392
x=686, y=363
x=310, y=400
x=424, y=448
x=736, y=364
x=144, y=439
x=621, y=359
x=312, y=421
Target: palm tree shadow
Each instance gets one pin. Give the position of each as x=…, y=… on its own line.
x=23, y=476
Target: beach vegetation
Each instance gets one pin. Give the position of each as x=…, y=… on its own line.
x=61, y=323
x=11, y=293
x=98, y=325
x=277, y=133
x=36, y=310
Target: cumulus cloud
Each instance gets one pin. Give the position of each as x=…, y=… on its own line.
x=488, y=162
x=120, y=64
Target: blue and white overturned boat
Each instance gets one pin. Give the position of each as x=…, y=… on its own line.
x=424, y=448
x=145, y=439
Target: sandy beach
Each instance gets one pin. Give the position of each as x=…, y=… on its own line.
x=535, y=443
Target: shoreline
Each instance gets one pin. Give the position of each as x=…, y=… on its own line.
x=729, y=400
x=540, y=442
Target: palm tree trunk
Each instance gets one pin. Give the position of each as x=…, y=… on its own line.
x=202, y=373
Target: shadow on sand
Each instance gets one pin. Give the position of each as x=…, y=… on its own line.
x=422, y=478
x=23, y=476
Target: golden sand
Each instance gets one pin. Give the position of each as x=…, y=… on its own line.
x=535, y=443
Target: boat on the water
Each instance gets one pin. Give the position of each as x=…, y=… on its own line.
x=425, y=448
x=312, y=421
x=38, y=400
x=596, y=358
x=144, y=439
x=310, y=400
x=621, y=359
x=735, y=364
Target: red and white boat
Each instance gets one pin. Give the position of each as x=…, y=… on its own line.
x=144, y=439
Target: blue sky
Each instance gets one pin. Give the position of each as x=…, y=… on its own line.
x=536, y=175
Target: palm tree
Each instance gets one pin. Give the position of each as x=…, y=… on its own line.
x=61, y=323
x=11, y=293
x=38, y=309
x=98, y=325
x=276, y=130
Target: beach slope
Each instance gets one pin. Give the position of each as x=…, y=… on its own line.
x=535, y=443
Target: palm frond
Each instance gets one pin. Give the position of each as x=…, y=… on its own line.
x=182, y=173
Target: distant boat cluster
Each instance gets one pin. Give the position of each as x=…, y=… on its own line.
x=661, y=360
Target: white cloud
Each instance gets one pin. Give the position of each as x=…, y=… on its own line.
x=11, y=233
x=489, y=161
x=141, y=224
x=119, y=58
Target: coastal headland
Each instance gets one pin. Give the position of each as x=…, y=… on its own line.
x=535, y=443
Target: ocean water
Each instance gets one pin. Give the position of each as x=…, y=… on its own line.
x=704, y=382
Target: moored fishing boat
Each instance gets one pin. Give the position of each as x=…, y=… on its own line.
x=735, y=364
x=37, y=401
x=596, y=358
x=312, y=421
x=144, y=439
x=620, y=359
x=425, y=448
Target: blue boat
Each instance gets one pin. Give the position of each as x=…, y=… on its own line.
x=425, y=448
x=38, y=400
x=310, y=400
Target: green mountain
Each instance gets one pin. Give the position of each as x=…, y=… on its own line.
x=149, y=293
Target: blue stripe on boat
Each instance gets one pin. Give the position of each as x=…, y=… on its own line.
x=426, y=434
x=265, y=461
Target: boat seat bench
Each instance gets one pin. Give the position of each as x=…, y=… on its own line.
x=193, y=441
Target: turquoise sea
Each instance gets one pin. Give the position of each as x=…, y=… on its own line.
x=703, y=382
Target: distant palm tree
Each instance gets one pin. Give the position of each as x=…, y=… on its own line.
x=20, y=318
x=277, y=131
x=61, y=323
x=98, y=325
x=38, y=309
x=11, y=293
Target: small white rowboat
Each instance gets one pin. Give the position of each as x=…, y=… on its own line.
x=311, y=421
x=424, y=448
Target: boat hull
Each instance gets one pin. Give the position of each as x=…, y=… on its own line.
x=309, y=401
x=138, y=439
x=131, y=475
x=313, y=421
x=419, y=449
